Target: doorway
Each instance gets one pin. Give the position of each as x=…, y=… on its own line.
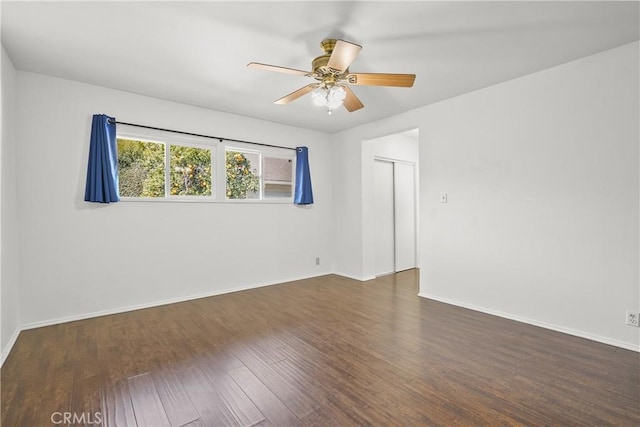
x=395, y=215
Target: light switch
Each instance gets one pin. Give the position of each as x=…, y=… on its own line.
x=443, y=198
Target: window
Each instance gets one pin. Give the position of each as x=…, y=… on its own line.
x=143, y=173
x=141, y=168
x=190, y=171
x=278, y=177
x=254, y=175
x=243, y=175
x=176, y=169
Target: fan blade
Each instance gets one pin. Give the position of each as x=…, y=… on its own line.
x=351, y=101
x=381, y=79
x=278, y=69
x=343, y=55
x=296, y=94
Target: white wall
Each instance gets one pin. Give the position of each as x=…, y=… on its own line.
x=347, y=227
x=542, y=222
x=80, y=259
x=397, y=146
x=8, y=212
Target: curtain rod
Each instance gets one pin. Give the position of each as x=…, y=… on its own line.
x=200, y=135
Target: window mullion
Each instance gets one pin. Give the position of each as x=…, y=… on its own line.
x=214, y=171
x=221, y=172
x=167, y=170
x=261, y=177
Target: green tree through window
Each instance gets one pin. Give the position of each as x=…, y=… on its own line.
x=190, y=171
x=141, y=168
x=241, y=179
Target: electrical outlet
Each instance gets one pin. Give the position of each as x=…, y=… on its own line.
x=633, y=318
x=443, y=198
x=317, y=261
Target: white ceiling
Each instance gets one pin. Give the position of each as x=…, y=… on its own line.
x=196, y=52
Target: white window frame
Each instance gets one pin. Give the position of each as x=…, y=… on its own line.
x=218, y=165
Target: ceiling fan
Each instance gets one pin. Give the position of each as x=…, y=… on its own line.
x=331, y=71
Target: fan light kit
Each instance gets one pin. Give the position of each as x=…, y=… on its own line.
x=331, y=70
x=329, y=97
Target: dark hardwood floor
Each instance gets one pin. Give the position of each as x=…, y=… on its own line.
x=327, y=351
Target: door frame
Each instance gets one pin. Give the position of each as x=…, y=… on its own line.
x=395, y=210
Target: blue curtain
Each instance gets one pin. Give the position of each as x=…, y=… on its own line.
x=102, y=171
x=304, y=192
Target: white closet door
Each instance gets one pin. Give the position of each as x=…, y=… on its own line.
x=405, y=216
x=384, y=217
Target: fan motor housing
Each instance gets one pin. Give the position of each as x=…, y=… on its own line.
x=324, y=74
x=319, y=65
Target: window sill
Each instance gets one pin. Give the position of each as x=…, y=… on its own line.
x=176, y=199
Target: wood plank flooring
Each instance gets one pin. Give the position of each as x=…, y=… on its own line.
x=327, y=351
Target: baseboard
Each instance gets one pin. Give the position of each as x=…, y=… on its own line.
x=9, y=346
x=77, y=317
x=545, y=325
